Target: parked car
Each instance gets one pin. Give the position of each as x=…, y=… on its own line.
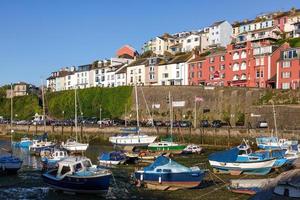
x=158, y=123
x=204, y=123
x=262, y=124
x=185, y=124
x=216, y=124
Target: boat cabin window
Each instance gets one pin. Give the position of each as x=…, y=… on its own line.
x=158, y=170
x=61, y=153
x=167, y=170
x=242, y=152
x=253, y=158
x=56, y=154
x=77, y=167
x=87, y=163
x=65, y=169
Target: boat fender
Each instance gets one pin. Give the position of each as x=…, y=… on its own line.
x=141, y=177
x=159, y=179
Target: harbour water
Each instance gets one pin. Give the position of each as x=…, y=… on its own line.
x=28, y=184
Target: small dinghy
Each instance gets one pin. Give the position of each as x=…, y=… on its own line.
x=10, y=164
x=112, y=158
x=240, y=160
x=248, y=186
x=192, y=149
x=166, y=174
x=78, y=175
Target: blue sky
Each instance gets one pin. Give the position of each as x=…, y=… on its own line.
x=40, y=36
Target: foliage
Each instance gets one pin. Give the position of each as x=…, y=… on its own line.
x=295, y=42
x=146, y=54
x=111, y=100
x=23, y=107
x=226, y=117
x=240, y=118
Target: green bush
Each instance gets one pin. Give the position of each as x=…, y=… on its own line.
x=112, y=101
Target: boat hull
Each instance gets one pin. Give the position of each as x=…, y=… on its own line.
x=177, y=180
x=166, y=148
x=10, y=168
x=236, y=168
x=75, y=148
x=132, y=140
x=76, y=184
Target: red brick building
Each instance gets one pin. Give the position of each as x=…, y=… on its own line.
x=196, y=76
x=288, y=69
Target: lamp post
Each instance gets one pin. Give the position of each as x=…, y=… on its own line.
x=100, y=117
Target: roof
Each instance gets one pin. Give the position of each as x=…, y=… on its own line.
x=140, y=61
x=197, y=59
x=217, y=23
x=122, y=70
x=181, y=58
x=217, y=50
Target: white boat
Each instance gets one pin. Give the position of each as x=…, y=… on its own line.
x=73, y=146
x=191, y=149
x=133, y=139
x=40, y=144
x=51, y=160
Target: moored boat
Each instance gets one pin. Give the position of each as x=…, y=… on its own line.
x=24, y=143
x=78, y=175
x=74, y=146
x=51, y=160
x=112, y=158
x=10, y=164
x=248, y=186
x=192, y=149
x=166, y=174
x=166, y=146
x=240, y=160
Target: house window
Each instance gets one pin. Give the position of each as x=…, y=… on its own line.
x=222, y=67
x=140, y=78
x=211, y=59
x=286, y=74
x=286, y=64
x=166, y=67
x=223, y=75
x=151, y=76
x=285, y=85
x=235, y=77
x=236, y=67
x=243, y=77
x=243, y=66
x=244, y=54
x=163, y=83
x=199, y=65
x=192, y=75
x=140, y=71
x=235, y=56
x=131, y=71
x=189, y=41
x=211, y=77
x=165, y=75
x=131, y=79
x=177, y=74
x=211, y=68
x=257, y=74
x=261, y=74
x=97, y=71
x=222, y=58
x=196, y=39
x=262, y=61
x=200, y=74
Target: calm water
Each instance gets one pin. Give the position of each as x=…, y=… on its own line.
x=28, y=184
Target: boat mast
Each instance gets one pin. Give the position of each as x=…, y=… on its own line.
x=274, y=114
x=44, y=110
x=11, y=111
x=76, y=111
x=137, y=107
x=171, y=115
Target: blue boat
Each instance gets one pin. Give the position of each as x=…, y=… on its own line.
x=166, y=174
x=78, y=175
x=278, y=154
x=275, y=143
x=240, y=160
x=112, y=158
x=10, y=164
x=24, y=143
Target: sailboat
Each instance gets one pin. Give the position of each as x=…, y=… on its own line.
x=40, y=142
x=10, y=164
x=73, y=145
x=133, y=139
x=167, y=145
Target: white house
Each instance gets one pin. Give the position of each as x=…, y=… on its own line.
x=175, y=72
x=220, y=34
x=120, y=76
x=84, y=76
x=135, y=72
x=195, y=40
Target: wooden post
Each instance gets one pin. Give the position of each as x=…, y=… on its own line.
x=62, y=130
x=215, y=142
x=35, y=129
x=228, y=138
x=71, y=130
